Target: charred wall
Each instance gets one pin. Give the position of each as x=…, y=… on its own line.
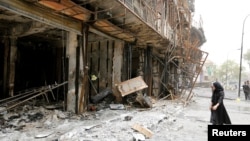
x=100, y=68
x=119, y=36
x=38, y=63
x=106, y=59
x=1, y=70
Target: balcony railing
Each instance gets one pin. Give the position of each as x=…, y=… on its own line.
x=154, y=14
x=147, y=12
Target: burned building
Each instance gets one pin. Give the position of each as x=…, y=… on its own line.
x=73, y=50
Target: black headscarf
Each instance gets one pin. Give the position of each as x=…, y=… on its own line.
x=218, y=93
x=218, y=86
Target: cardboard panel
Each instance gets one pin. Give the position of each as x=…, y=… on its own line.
x=131, y=86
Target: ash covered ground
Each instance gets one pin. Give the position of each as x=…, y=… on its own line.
x=167, y=120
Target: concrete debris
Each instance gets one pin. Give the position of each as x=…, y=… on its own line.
x=145, y=131
x=100, y=96
x=143, y=100
x=51, y=107
x=177, y=127
x=167, y=120
x=60, y=114
x=10, y=116
x=34, y=117
x=128, y=118
x=4, y=110
x=44, y=134
x=75, y=133
x=138, y=137
x=116, y=106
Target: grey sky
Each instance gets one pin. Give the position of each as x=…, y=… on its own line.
x=222, y=24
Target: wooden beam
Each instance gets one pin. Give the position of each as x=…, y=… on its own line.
x=37, y=13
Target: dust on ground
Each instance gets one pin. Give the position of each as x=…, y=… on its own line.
x=168, y=120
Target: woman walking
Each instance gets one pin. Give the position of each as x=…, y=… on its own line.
x=219, y=115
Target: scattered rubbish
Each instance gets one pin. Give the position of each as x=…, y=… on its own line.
x=14, y=101
x=145, y=131
x=11, y=116
x=143, y=100
x=51, y=107
x=135, y=85
x=177, y=127
x=138, y=137
x=90, y=126
x=4, y=110
x=100, y=96
x=20, y=127
x=128, y=118
x=35, y=117
x=92, y=107
x=132, y=85
x=117, y=107
x=43, y=135
x=74, y=133
x=60, y=114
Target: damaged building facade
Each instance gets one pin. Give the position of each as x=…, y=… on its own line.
x=75, y=50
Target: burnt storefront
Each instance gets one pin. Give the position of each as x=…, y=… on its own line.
x=77, y=52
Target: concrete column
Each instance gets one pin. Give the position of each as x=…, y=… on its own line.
x=149, y=70
x=71, y=46
x=6, y=67
x=117, y=67
x=83, y=80
x=12, y=62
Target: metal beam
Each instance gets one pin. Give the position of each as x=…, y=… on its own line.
x=37, y=13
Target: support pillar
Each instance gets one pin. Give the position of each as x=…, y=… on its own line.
x=149, y=75
x=117, y=68
x=5, y=67
x=84, y=96
x=12, y=63
x=71, y=55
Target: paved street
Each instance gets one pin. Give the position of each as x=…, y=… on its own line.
x=198, y=112
x=239, y=110
x=229, y=94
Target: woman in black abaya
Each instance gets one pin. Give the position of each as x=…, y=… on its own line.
x=219, y=115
